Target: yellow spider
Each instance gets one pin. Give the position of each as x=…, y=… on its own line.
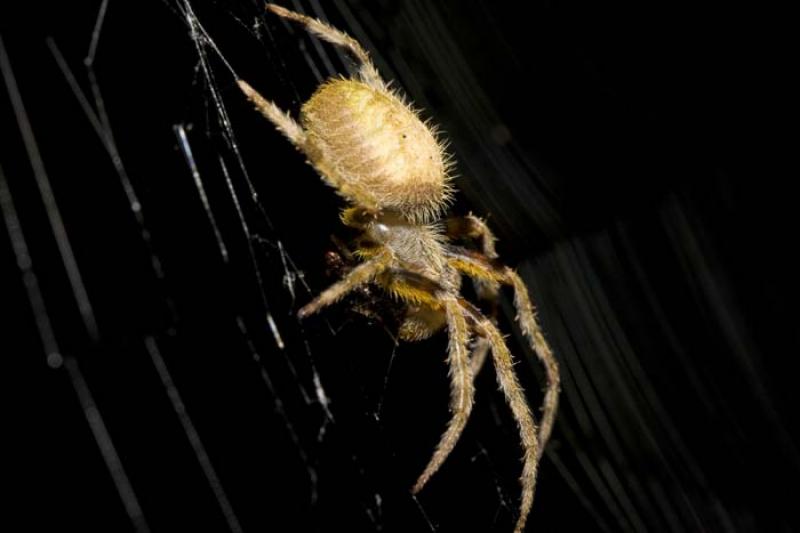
x=366, y=142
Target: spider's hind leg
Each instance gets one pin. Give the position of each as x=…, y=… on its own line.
x=366, y=71
x=280, y=118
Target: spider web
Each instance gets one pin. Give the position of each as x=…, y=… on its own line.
x=212, y=407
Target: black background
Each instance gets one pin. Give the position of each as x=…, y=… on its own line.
x=625, y=156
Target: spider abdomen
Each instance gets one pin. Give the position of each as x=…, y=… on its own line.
x=375, y=150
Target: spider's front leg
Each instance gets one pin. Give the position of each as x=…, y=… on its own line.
x=363, y=273
x=462, y=388
x=458, y=311
x=470, y=227
x=515, y=396
x=478, y=266
x=429, y=301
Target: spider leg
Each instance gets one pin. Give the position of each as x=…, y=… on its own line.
x=462, y=390
x=475, y=265
x=363, y=273
x=515, y=396
x=280, y=118
x=367, y=71
x=421, y=292
x=472, y=227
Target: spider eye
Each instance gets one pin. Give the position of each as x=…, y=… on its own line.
x=380, y=232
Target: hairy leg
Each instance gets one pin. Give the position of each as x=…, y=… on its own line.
x=515, y=396
x=363, y=273
x=280, y=118
x=429, y=306
x=526, y=316
x=367, y=71
x=472, y=227
x=476, y=266
x=462, y=390
x=413, y=288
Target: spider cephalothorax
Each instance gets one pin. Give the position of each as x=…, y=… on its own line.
x=371, y=146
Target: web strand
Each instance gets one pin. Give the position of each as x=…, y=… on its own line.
x=48, y=198
x=56, y=360
x=191, y=433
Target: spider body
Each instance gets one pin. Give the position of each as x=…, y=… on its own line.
x=418, y=271
x=366, y=142
x=374, y=150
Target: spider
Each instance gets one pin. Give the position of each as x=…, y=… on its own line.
x=392, y=169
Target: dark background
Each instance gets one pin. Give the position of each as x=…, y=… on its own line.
x=625, y=154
